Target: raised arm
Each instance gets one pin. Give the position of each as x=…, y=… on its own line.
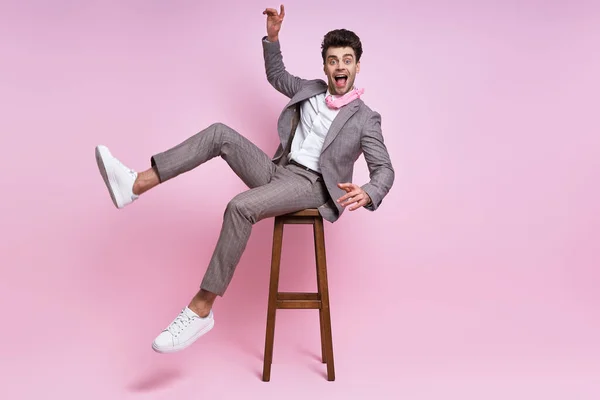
x=278, y=77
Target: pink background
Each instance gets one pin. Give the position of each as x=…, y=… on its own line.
x=476, y=279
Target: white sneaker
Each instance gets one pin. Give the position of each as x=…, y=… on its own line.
x=118, y=178
x=183, y=331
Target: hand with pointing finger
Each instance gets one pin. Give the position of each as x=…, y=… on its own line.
x=274, y=21
x=355, y=195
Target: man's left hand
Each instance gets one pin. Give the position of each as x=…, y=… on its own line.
x=355, y=195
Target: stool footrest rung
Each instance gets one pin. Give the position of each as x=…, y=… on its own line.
x=297, y=300
x=297, y=296
x=299, y=304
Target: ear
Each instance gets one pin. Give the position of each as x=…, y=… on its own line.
x=325, y=68
x=358, y=67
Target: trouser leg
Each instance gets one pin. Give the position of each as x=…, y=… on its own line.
x=291, y=189
x=249, y=162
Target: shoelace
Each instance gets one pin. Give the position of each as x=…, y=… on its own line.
x=180, y=323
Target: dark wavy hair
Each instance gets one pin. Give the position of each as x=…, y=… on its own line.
x=341, y=38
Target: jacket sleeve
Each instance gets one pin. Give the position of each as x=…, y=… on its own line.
x=278, y=77
x=381, y=172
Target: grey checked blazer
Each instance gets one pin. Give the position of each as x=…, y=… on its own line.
x=355, y=130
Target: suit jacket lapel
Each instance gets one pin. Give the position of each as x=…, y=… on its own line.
x=338, y=122
x=309, y=91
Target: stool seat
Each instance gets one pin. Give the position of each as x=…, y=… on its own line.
x=309, y=212
x=300, y=300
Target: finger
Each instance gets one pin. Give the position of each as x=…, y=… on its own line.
x=351, y=199
x=270, y=12
x=361, y=203
x=347, y=186
x=282, y=11
x=358, y=205
x=351, y=193
x=346, y=196
x=353, y=203
x=348, y=202
x=357, y=196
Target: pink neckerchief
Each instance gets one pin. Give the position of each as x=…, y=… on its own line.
x=338, y=102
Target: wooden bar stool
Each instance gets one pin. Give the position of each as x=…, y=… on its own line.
x=293, y=300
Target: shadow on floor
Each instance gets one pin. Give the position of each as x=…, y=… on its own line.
x=155, y=380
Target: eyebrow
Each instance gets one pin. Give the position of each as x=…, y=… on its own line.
x=345, y=55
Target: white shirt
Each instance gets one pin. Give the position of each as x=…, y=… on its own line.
x=315, y=121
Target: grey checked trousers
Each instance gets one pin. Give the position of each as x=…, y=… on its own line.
x=273, y=190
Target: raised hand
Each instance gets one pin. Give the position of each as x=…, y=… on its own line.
x=354, y=195
x=274, y=21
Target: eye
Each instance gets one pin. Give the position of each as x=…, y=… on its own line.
x=348, y=61
x=331, y=62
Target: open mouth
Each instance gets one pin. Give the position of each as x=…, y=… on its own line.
x=340, y=80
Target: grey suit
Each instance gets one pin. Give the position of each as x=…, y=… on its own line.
x=277, y=187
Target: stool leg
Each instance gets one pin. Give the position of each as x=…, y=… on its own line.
x=323, y=290
x=321, y=315
x=322, y=325
x=273, y=289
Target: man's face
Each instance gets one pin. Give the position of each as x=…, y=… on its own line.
x=341, y=69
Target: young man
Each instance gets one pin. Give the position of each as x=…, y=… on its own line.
x=322, y=131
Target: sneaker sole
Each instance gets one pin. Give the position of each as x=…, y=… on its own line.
x=100, y=152
x=189, y=342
